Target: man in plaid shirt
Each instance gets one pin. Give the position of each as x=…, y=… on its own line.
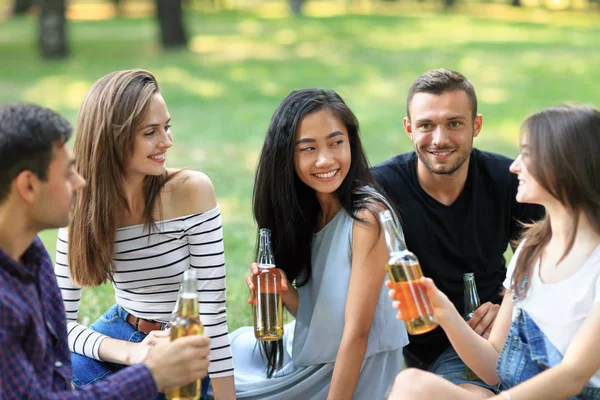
x=37, y=186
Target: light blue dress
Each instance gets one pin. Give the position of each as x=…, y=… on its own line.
x=311, y=342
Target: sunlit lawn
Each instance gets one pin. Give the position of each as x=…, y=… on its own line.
x=222, y=93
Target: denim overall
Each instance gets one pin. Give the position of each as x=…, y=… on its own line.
x=527, y=352
x=113, y=324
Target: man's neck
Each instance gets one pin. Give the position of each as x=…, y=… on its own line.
x=15, y=235
x=445, y=188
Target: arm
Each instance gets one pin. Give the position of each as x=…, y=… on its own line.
x=566, y=380
x=83, y=340
x=480, y=354
x=366, y=278
x=205, y=235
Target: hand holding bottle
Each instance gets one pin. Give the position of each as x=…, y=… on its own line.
x=442, y=306
x=483, y=318
x=254, y=272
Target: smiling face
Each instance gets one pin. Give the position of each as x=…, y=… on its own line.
x=152, y=140
x=442, y=129
x=529, y=190
x=322, y=154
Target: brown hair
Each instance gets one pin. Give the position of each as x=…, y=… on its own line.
x=439, y=81
x=113, y=109
x=564, y=143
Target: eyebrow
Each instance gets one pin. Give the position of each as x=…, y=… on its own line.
x=155, y=124
x=450, y=118
x=311, y=140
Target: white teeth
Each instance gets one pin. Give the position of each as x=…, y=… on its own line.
x=327, y=175
x=442, y=154
x=157, y=157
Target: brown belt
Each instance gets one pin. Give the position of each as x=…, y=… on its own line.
x=143, y=325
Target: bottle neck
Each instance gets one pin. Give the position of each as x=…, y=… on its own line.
x=265, y=254
x=393, y=240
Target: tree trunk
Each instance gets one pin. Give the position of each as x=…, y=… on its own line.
x=516, y=3
x=52, y=36
x=449, y=4
x=20, y=7
x=296, y=6
x=170, y=18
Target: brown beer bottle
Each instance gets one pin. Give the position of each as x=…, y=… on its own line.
x=404, y=271
x=268, y=305
x=472, y=303
x=186, y=323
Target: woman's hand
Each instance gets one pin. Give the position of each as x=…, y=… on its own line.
x=139, y=352
x=442, y=306
x=254, y=271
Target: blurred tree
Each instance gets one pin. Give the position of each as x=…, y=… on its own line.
x=516, y=3
x=52, y=36
x=22, y=6
x=170, y=19
x=296, y=6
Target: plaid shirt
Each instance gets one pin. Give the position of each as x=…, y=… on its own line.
x=35, y=362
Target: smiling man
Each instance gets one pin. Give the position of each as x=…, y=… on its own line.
x=458, y=210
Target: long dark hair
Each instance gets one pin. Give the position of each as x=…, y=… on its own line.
x=283, y=203
x=564, y=143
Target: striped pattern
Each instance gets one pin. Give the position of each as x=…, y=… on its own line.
x=149, y=271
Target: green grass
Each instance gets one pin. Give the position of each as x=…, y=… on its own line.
x=221, y=94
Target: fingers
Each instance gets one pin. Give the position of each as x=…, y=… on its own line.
x=483, y=318
x=389, y=284
x=199, y=343
x=392, y=294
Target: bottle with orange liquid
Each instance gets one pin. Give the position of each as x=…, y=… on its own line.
x=186, y=323
x=404, y=271
x=268, y=305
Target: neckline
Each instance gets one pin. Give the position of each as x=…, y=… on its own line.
x=163, y=221
x=592, y=256
x=433, y=200
x=327, y=225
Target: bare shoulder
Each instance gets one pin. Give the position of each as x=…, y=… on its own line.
x=189, y=192
x=368, y=215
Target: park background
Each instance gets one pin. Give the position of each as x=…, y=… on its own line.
x=225, y=65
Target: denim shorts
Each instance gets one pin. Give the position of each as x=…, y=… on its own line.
x=113, y=324
x=449, y=366
x=527, y=352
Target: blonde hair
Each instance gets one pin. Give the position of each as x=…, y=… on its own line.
x=113, y=109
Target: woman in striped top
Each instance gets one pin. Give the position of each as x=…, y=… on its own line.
x=139, y=225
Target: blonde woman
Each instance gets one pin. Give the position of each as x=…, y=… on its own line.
x=139, y=225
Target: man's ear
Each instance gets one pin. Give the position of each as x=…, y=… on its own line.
x=477, y=125
x=407, y=127
x=27, y=185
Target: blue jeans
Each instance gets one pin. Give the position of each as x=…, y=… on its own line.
x=113, y=324
x=449, y=366
x=527, y=352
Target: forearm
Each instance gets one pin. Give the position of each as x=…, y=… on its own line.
x=116, y=351
x=478, y=353
x=347, y=366
x=557, y=383
x=289, y=298
x=224, y=388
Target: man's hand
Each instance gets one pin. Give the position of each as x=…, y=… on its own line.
x=178, y=362
x=483, y=319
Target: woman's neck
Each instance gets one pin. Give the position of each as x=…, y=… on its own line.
x=329, y=208
x=133, y=190
x=561, y=223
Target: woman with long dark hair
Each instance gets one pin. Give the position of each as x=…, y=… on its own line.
x=313, y=189
x=139, y=225
x=544, y=343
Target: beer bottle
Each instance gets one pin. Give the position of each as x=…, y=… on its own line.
x=186, y=322
x=268, y=305
x=404, y=271
x=472, y=303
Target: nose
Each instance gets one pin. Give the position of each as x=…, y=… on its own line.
x=439, y=136
x=166, y=140
x=79, y=182
x=324, y=158
x=515, y=167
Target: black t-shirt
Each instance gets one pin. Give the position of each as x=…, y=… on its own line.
x=470, y=235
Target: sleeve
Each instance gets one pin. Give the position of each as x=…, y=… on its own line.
x=205, y=234
x=19, y=378
x=82, y=340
